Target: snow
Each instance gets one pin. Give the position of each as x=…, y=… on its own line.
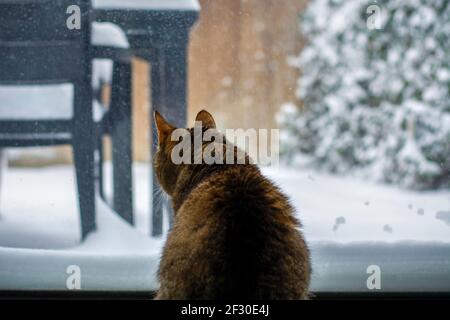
x=321, y=199
x=147, y=4
x=40, y=236
x=114, y=257
x=49, y=218
x=108, y=34
x=48, y=102
x=404, y=266
x=444, y=216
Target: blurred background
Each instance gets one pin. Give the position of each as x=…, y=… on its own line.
x=370, y=69
x=238, y=70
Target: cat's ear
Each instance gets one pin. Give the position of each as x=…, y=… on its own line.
x=162, y=126
x=206, y=119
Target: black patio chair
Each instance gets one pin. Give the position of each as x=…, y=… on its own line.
x=37, y=48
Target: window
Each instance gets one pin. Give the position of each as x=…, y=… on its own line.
x=354, y=95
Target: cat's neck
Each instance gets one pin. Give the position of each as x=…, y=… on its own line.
x=190, y=177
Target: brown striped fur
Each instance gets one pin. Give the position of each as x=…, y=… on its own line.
x=234, y=234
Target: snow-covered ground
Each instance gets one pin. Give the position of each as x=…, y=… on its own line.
x=349, y=225
x=344, y=209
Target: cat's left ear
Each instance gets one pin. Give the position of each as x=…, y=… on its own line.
x=206, y=119
x=162, y=126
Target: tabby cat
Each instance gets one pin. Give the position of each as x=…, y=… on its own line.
x=234, y=234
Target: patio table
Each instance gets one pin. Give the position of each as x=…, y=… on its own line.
x=158, y=31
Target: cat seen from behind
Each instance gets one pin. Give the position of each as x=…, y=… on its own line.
x=234, y=233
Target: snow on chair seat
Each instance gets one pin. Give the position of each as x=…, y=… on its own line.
x=36, y=102
x=108, y=34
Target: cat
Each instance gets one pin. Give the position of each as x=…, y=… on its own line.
x=234, y=234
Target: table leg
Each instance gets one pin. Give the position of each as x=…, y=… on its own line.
x=121, y=139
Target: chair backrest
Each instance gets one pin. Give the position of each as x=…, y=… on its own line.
x=37, y=46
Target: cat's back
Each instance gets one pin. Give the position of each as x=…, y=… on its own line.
x=243, y=238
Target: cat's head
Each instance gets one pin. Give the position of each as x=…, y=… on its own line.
x=167, y=159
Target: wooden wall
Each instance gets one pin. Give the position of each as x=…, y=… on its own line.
x=238, y=63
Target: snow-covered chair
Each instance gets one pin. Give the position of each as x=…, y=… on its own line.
x=46, y=88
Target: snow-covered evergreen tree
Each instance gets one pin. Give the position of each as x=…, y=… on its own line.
x=375, y=101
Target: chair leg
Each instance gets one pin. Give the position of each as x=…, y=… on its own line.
x=83, y=153
x=121, y=139
x=2, y=168
x=83, y=145
x=84, y=166
x=99, y=163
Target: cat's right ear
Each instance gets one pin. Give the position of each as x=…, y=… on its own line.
x=162, y=126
